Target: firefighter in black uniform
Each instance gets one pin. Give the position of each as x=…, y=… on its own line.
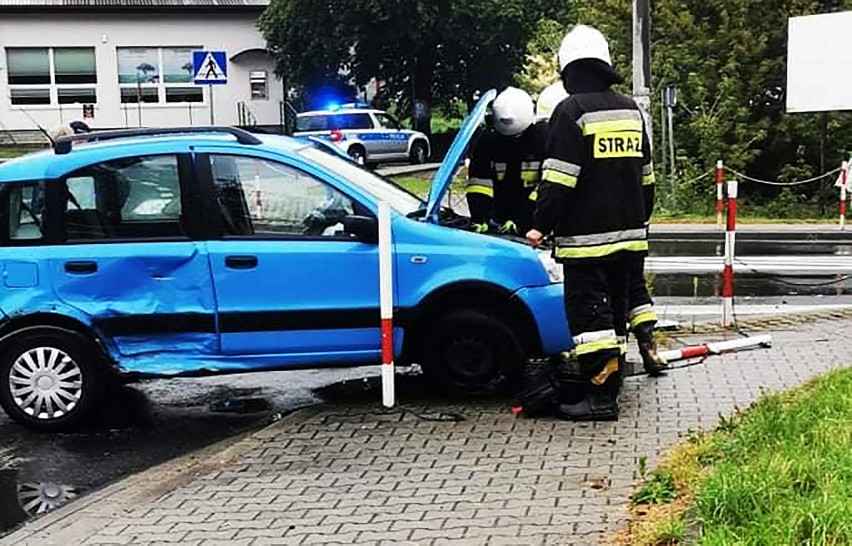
x=596, y=197
x=641, y=314
x=505, y=166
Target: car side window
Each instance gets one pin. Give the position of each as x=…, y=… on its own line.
x=355, y=121
x=387, y=122
x=262, y=198
x=22, y=212
x=129, y=198
x=312, y=123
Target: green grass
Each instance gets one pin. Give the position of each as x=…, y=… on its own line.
x=9, y=152
x=420, y=185
x=779, y=473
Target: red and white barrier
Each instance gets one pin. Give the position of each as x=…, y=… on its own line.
x=716, y=348
x=386, y=304
x=730, y=244
x=720, y=181
x=843, y=183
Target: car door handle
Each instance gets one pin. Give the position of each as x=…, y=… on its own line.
x=81, y=268
x=241, y=262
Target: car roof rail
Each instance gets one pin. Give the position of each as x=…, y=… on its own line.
x=63, y=145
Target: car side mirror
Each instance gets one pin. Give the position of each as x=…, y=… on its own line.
x=363, y=228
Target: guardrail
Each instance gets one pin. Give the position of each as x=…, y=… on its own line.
x=793, y=266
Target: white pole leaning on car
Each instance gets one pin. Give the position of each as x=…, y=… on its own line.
x=386, y=307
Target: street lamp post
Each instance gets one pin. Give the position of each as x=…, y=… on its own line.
x=642, y=59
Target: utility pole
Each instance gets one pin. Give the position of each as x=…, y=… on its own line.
x=642, y=60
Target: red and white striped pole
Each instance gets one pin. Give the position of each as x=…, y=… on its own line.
x=386, y=303
x=720, y=181
x=730, y=244
x=716, y=348
x=844, y=180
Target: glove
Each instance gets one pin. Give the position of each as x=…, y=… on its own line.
x=480, y=228
x=508, y=227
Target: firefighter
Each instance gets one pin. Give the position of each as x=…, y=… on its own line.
x=505, y=166
x=594, y=197
x=641, y=314
x=549, y=99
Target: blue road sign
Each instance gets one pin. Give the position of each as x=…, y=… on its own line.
x=210, y=67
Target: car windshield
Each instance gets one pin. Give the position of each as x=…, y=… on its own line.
x=380, y=188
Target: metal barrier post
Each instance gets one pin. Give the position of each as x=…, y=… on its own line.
x=728, y=272
x=720, y=204
x=844, y=174
x=386, y=300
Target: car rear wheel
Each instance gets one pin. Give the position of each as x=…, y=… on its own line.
x=419, y=153
x=358, y=154
x=472, y=351
x=50, y=380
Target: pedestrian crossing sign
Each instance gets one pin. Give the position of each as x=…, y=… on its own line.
x=210, y=67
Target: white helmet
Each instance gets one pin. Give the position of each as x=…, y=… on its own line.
x=549, y=99
x=583, y=42
x=512, y=112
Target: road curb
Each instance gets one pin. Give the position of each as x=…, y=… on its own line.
x=72, y=523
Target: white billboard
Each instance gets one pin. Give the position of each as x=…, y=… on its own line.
x=819, y=63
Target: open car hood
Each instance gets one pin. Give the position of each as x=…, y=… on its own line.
x=449, y=167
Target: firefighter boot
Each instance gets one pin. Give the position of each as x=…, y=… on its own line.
x=601, y=400
x=651, y=359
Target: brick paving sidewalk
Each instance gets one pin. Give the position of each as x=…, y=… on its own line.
x=347, y=473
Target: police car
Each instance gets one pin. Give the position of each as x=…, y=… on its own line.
x=367, y=135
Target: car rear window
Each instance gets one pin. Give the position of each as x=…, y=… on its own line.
x=21, y=213
x=329, y=122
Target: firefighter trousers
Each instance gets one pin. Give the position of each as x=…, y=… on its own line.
x=640, y=305
x=596, y=303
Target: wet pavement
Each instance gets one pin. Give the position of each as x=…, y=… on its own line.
x=143, y=425
x=149, y=423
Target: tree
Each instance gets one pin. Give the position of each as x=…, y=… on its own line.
x=430, y=50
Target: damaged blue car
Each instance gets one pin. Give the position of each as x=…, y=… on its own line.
x=174, y=252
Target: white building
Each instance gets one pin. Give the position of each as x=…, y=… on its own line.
x=128, y=63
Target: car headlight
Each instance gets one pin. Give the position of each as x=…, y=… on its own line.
x=551, y=266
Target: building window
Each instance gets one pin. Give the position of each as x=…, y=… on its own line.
x=60, y=75
x=157, y=75
x=259, y=85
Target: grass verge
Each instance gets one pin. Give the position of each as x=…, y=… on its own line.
x=419, y=185
x=10, y=152
x=778, y=473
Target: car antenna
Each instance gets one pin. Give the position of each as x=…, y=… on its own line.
x=40, y=128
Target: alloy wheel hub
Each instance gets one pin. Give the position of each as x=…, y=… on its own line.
x=46, y=383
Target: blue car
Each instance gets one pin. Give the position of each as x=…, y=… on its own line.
x=178, y=252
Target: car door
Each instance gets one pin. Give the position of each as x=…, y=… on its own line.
x=131, y=258
x=394, y=136
x=288, y=282
x=360, y=126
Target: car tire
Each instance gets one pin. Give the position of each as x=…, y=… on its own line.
x=51, y=380
x=419, y=153
x=472, y=351
x=358, y=154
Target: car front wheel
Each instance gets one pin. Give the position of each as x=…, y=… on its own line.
x=472, y=351
x=419, y=153
x=50, y=380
